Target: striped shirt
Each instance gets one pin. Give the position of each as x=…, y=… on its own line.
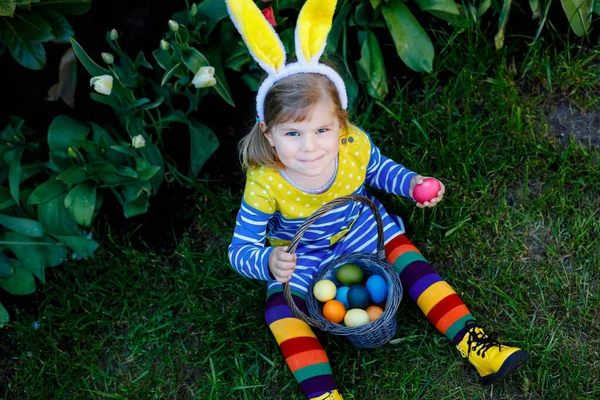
x=273, y=209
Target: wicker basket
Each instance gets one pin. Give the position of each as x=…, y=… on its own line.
x=375, y=333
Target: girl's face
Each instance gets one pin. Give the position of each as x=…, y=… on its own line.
x=308, y=149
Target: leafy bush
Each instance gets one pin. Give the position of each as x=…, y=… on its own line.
x=39, y=227
x=148, y=101
x=25, y=25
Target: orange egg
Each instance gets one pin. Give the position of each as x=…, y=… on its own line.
x=374, y=312
x=334, y=311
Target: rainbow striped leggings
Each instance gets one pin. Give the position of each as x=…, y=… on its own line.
x=302, y=350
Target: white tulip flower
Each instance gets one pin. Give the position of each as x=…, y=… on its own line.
x=204, y=78
x=138, y=142
x=102, y=84
x=174, y=26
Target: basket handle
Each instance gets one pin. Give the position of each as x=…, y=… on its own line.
x=304, y=227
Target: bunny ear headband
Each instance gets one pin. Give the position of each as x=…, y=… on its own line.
x=314, y=23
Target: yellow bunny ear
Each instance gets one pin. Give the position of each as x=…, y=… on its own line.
x=260, y=37
x=314, y=24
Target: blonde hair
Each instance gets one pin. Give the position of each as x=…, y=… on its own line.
x=290, y=99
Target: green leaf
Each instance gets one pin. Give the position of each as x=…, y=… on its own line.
x=154, y=104
x=14, y=175
x=579, y=14
x=140, y=60
x=412, y=43
x=32, y=27
x=46, y=191
x=153, y=154
x=25, y=226
x=596, y=6
x=56, y=219
x=372, y=65
x=4, y=317
x=60, y=26
x=203, y=143
x=194, y=60
x=21, y=283
x=215, y=59
x=7, y=9
x=93, y=68
x=148, y=173
x=66, y=7
x=125, y=149
x=502, y=22
x=83, y=247
x=210, y=12
x=29, y=53
x=137, y=206
x=35, y=254
x=109, y=100
x=163, y=59
x=444, y=9
x=74, y=175
x=339, y=22
x=126, y=172
x=6, y=267
x=30, y=170
x=6, y=199
x=81, y=201
x=64, y=131
x=169, y=74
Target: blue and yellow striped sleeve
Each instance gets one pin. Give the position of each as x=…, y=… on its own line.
x=247, y=252
x=386, y=174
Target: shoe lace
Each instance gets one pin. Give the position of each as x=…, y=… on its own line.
x=480, y=341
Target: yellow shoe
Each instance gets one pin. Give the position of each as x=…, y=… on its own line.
x=492, y=360
x=335, y=395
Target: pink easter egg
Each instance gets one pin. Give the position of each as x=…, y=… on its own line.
x=427, y=190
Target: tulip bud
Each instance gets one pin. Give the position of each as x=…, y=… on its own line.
x=108, y=58
x=194, y=10
x=174, y=26
x=114, y=35
x=102, y=84
x=204, y=78
x=72, y=153
x=164, y=45
x=138, y=142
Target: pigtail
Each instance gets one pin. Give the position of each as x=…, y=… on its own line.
x=255, y=150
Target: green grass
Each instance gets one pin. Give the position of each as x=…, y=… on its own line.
x=517, y=235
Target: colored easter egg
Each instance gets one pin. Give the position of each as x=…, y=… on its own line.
x=377, y=288
x=334, y=311
x=356, y=317
x=427, y=190
x=342, y=296
x=374, y=312
x=324, y=290
x=349, y=274
x=358, y=297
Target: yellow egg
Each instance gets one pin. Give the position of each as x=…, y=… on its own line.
x=324, y=290
x=356, y=317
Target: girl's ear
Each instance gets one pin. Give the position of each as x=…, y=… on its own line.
x=268, y=135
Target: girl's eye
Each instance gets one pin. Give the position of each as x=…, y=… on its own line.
x=322, y=130
x=292, y=133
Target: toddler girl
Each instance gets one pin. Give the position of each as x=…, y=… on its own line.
x=302, y=153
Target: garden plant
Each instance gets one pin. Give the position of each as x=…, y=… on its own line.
x=116, y=208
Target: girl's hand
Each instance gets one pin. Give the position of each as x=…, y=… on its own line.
x=282, y=264
x=417, y=180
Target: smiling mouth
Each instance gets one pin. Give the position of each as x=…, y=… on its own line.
x=313, y=160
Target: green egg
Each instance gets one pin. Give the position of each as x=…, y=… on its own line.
x=349, y=274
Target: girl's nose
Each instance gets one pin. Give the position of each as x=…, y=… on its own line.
x=309, y=143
